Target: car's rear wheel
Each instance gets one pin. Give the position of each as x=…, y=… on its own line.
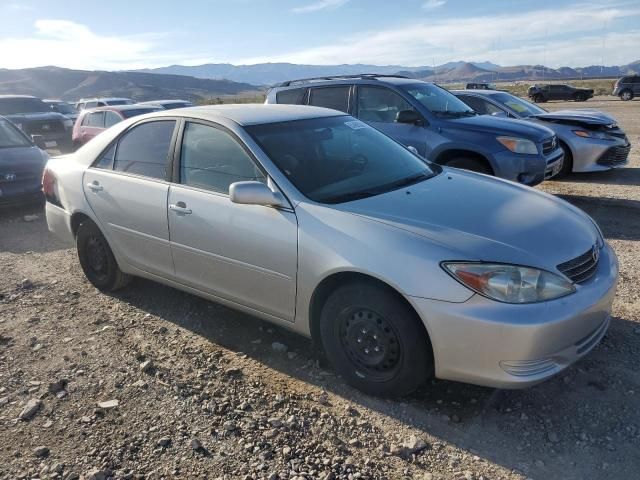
x=374, y=340
x=97, y=260
x=626, y=95
x=538, y=98
x=468, y=163
x=579, y=97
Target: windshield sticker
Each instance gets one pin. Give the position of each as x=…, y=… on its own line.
x=355, y=124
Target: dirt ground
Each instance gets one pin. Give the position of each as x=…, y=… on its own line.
x=203, y=392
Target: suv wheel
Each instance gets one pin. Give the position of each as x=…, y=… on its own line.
x=626, y=95
x=468, y=163
x=374, y=340
x=97, y=260
x=538, y=98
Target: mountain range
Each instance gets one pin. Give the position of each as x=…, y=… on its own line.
x=270, y=73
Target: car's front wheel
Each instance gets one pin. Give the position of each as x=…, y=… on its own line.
x=375, y=340
x=538, y=98
x=626, y=95
x=97, y=260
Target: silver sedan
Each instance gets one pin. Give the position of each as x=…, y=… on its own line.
x=310, y=219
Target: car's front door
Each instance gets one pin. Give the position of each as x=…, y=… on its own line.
x=127, y=190
x=246, y=254
x=379, y=107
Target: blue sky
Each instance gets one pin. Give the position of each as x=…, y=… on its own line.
x=121, y=34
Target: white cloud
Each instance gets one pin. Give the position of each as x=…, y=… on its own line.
x=319, y=5
x=61, y=42
x=539, y=36
x=433, y=4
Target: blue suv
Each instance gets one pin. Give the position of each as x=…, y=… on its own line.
x=430, y=120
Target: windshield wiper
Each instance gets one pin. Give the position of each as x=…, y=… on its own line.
x=403, y=182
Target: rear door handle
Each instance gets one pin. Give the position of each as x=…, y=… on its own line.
x=95, y=186
x=180, y=207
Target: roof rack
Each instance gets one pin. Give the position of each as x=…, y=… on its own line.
x=370, y=76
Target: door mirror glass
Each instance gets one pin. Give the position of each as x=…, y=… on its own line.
x=254, y=193
x=408, y=116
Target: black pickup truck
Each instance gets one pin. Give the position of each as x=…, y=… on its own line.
x=35, y=118
x=543, y=93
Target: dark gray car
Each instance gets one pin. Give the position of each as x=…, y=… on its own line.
x=21, y=166
x=627, y=87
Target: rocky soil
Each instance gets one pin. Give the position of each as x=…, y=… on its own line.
x=152, y=383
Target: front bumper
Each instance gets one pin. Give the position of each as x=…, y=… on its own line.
x=527, y=169
x=500, y=345
x=594, y=155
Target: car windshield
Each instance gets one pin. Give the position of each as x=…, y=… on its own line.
x=339, y=159
x=518, y=105
x=438, y=100
x=134, y=112
x=10, y=136
x=64, y=108
x=12, y=106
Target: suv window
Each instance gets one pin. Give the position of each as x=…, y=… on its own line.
x=144, y=149
x=295, y=96
x=336, y=98
x=111, y=118
x=376, y=104
x=95, y=119
x=480, y=105
x=13, y=105
x=212, y=159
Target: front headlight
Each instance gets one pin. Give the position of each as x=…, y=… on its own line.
x=68, y=123
x=518, y=145
x=510, y=283
x=592, y=134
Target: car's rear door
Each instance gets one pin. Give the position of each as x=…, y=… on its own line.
x=92, y=125
x=127, y=190
x=246, y=254
x=379, y=106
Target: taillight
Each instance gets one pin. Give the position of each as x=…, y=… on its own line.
x=50, y=187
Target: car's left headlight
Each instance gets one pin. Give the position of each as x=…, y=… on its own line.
x=68, y=123
x=510, y=283
x=518, y=145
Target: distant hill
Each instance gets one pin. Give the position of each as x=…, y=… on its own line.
x=270, y=73
x=54, y=82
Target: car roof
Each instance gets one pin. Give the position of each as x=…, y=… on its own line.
x=18, y=96
x=119, y=108
x=103, y=99
x=252, y=114
x=350, y=80
x=160, y=102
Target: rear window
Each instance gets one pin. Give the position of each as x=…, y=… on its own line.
x=11, y=106
x=336, y=98
x=295, y=96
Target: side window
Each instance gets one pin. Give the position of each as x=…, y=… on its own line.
x=106, y=159
x=478, y=105
x=336, y=98
x=212, y=159
x=636, y=80
x=377, y=104
x=90, y=105
x=95, y=119
x=102, y=104
x=111, y=118
x=295, y=96
x=144, y=149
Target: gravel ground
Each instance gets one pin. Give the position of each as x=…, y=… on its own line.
x=152, y=383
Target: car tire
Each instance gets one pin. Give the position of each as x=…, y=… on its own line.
x=97, y=260
x=375, y=340
x=567, y=163
x=579, y=97
x=469, y=163
x=538, y=98
x=626, y=95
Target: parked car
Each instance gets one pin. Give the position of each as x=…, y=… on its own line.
x=34, y=117
x=168, y=104
x=435, y=123
x=21, y=166
x=309, y=218
x=93, y=122
x=87, y=103
x=591, y=140
x=544, y=93
x=627, y=87
x=480, y=86
x=65, y=108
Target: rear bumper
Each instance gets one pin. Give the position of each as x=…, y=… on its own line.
x=500, y=345
x=59, y=222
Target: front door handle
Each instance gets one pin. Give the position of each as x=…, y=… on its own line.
x=95, y=186
x=180, y=207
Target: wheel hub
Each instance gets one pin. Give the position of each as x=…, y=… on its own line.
x=96, y=255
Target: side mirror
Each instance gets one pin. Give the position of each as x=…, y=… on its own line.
x=39, y=141
x=500, y=114
x=409, y=116
x=254, y=193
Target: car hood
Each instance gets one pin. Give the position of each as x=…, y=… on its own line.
x=34, y=117
x=502, y=126
x=583, y=116
x=22, y=159
x=480, y=218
